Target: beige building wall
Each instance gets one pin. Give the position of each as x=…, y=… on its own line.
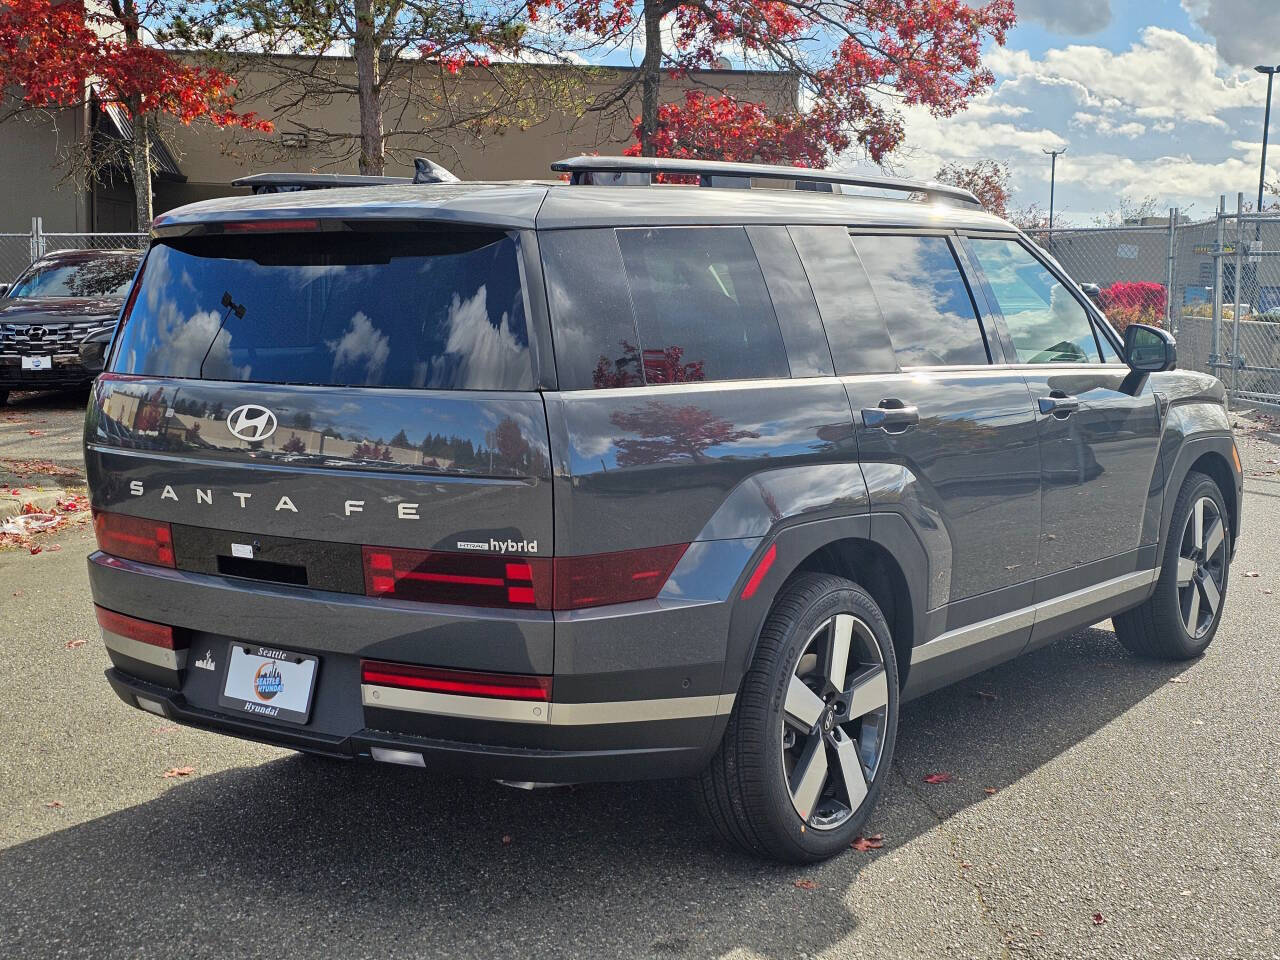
x=31, y=178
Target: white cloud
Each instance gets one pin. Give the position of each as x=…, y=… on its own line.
x=1165, y=75
x=361, y=344
x=1074, y=17
x=1245, y=31
x=1105, y=126
x=1177, y=179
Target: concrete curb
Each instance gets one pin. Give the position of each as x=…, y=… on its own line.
x=42, y=500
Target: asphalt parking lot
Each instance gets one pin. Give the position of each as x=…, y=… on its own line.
x=1099, y=806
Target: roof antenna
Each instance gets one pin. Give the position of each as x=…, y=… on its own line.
x=426, y=171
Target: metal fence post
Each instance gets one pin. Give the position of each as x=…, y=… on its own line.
x=1235, y=315
x=1168, y=297
x=1219, y=242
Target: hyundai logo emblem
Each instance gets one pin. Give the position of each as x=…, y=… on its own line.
x=251, y=422
x=36, y=333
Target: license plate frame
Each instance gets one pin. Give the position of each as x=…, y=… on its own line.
x=264, y=682
x=37, y=362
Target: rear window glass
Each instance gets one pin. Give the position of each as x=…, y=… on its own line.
x=924, y=300
x=424, y=310
x=701, y=307
x=107, y=277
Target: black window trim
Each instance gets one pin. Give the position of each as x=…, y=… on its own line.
x=1097, y=320
x=955, y=242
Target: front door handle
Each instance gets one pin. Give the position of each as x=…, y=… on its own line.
x=1059, y=404
x=891, y=416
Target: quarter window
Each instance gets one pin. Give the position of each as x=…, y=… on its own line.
x=1045, y=321
x=924, y=299
x=702, y=310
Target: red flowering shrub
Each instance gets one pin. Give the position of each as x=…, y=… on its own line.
x=1126, y=303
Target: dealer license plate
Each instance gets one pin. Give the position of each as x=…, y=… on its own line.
x=37, y=363
x=271, y=683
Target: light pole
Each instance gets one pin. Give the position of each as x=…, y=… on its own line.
x=1266, y=124
x=1053, y=179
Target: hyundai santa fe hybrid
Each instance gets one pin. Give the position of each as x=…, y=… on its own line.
x=606, y=480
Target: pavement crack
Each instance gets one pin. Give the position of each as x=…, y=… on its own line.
x=1005, y=937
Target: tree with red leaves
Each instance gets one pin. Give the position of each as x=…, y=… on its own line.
x=664, y=433
x=852, y=61
x=52, y=52
x=988, y=180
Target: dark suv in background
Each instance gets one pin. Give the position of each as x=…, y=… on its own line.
x=555, y=482
x=57, y=318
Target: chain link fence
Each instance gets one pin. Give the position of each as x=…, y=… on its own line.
x=17, y=250
x=1182, y=275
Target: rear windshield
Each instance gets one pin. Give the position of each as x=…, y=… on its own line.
x=107, y=277
x=426, y=310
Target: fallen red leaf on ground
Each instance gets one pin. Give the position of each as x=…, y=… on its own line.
x=1099, y=918
x=35, y=433
x=506, y=840
x=54, y=804
x=36, y=548
x=179, y=772
x=990, y=791
x=938, y=778
x=75, y=644
x=873, y=842
x=806, y=884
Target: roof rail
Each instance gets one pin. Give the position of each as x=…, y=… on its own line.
x=715, y=173
x=424, y=171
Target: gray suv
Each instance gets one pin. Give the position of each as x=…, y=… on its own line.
x=607, y=479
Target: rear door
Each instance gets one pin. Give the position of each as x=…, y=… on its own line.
x=947, y=440
x=287, y=399
x=1099, y=427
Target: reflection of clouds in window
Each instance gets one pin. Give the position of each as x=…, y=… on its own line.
x=476, y=352
x=923, y=299
x=361, y=344
x=185, y=341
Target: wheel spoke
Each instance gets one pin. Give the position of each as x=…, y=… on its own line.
x=1209, y=590
x=1213, y=539
x=1197, y=529
x=855, y=778
x=1193, y=614
x=1186, y=569
x=809, y=776
x=803, y=706
x=869, y=691
x=838, y=652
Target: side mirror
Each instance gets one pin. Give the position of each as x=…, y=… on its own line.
x=1149, y=349
x=93, y=349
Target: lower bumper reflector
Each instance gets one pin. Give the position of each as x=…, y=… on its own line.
x=406, y=757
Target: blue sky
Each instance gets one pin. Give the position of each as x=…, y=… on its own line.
x=1155, y=98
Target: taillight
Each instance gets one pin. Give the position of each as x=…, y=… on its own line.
x=533, y=583
x=432, y=576
x=144, y=631
x=134, y=538
x=270, y=226
x=603, y=578
x=508, y=686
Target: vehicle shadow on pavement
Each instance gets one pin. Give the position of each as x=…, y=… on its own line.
x=305, y=857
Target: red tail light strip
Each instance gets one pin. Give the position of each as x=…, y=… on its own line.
x=134, y=538
x=142, y=640
x=506, y=686
x=484, y=580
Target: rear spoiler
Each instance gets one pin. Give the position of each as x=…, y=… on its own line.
x=424, y=171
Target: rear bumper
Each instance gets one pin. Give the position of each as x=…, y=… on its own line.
x=635, y=694
x=468, y=759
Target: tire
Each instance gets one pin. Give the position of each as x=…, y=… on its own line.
x=1190, y=574
x=755, y=793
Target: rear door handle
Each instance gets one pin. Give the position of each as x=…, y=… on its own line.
x=891, y=416
x=1059, y=404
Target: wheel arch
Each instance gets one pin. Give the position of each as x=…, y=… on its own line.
x=1213, y=456
x=879, y=552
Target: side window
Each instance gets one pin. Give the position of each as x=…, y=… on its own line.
x=1109, y=353
x=807, y=350
x=850, y=313
x=592, y=327
x=702, y=311
x=1045, y=321
x=924, y=299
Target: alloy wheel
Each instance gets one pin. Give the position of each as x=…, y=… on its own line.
x=834, y=721
x=1202, y=567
